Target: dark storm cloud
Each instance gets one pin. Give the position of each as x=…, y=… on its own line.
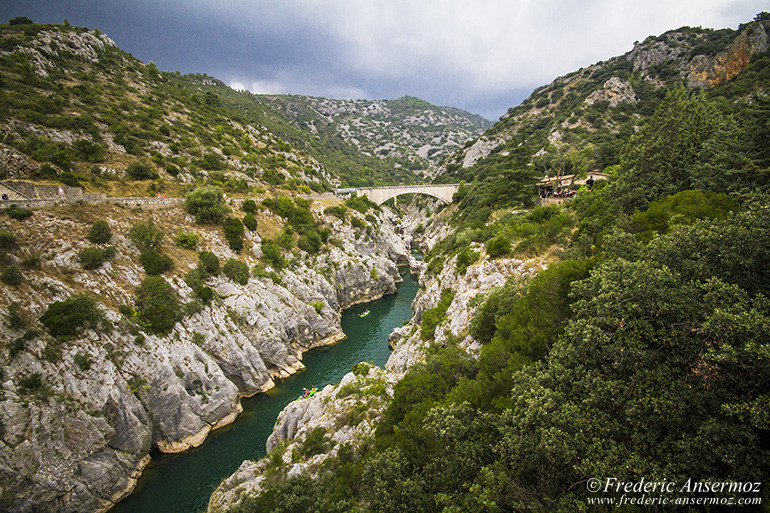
x=483, y=55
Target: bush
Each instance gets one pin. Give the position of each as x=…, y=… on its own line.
x=236, y=271
x=207, y=204
x=31, y=383
x=234, y=233
x=250, y=222
x=499, y=246
x=69, y=180
x=146, y=236
x=83, y=361
x=64, y=319
x=208, y=263
x=357, y=222
x=15, y=317
x=271, y=253
x=205, y=294
x=155, y=263
x=92, y=258
x=7, y=240
x=310, y=242
x=316, y=442
x=339, y=211
x=141, y=171
x=99, y=232
x=185, y=239
x=11, y=275
x=465, y=259
x=249, y=205
x=432, y=317
x=361, y=204
x=18, y=213
x=157, y=305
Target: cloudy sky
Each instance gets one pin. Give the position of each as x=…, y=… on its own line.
x=480, y=55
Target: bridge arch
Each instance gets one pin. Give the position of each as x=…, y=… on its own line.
x=380, y=195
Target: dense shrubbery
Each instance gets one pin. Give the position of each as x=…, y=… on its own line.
x=187, y=240
x=65, y=319
x=432, y=317
x=249, y=206
x=466, y=258
x=99, y=232
x=233, y=230
x=361, y=203
x=208, y=263
x=498, y=247
x=11, y=275
x=18, y=213
x=7, y=240
x=272, y=255
x=155, y=263
x=236, y=271
x=338, y=211
x=207, y=204
x=250, y=222
x=93, y=258
x=141, y=170
x=146, y=235
x=157, y=305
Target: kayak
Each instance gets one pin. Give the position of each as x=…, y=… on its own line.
x=364, y=314
x=308, y=393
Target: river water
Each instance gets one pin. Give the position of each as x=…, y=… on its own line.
x=183, y=483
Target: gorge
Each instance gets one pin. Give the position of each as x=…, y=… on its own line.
x=618, y=330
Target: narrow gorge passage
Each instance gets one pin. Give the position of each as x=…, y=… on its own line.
x=183, y=483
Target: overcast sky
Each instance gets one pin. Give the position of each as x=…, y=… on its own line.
x=483, y=56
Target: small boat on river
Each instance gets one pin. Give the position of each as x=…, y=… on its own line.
x=364, y=313
x=308, y=393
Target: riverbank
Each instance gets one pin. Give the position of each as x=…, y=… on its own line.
x=183, y=483
x=129, y=391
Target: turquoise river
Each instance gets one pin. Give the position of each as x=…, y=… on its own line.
x=183, y=483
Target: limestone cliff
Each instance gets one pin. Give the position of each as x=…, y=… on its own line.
x=79, y=417
x=348, y=412
x=615, y=96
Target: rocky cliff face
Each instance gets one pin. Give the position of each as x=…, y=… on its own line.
x=411, y=132
x=610, y=96
x=78, y=418
x=348, y=412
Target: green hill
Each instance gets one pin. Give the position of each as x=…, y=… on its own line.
x=77, y=110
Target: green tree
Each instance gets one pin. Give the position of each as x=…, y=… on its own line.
x=250, y=222
x=208, y=263
x=157, y=305
x=155, y=263
x=99, y=232
x=207, y=204
x=140, y=170
x=234, y=231
x=65, y=319
x=236, y=271
x=498, y=247
x=249, y=206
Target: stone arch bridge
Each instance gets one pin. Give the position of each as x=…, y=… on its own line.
x=380, y=195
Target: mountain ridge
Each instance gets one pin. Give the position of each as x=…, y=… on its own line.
x=602, y=103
